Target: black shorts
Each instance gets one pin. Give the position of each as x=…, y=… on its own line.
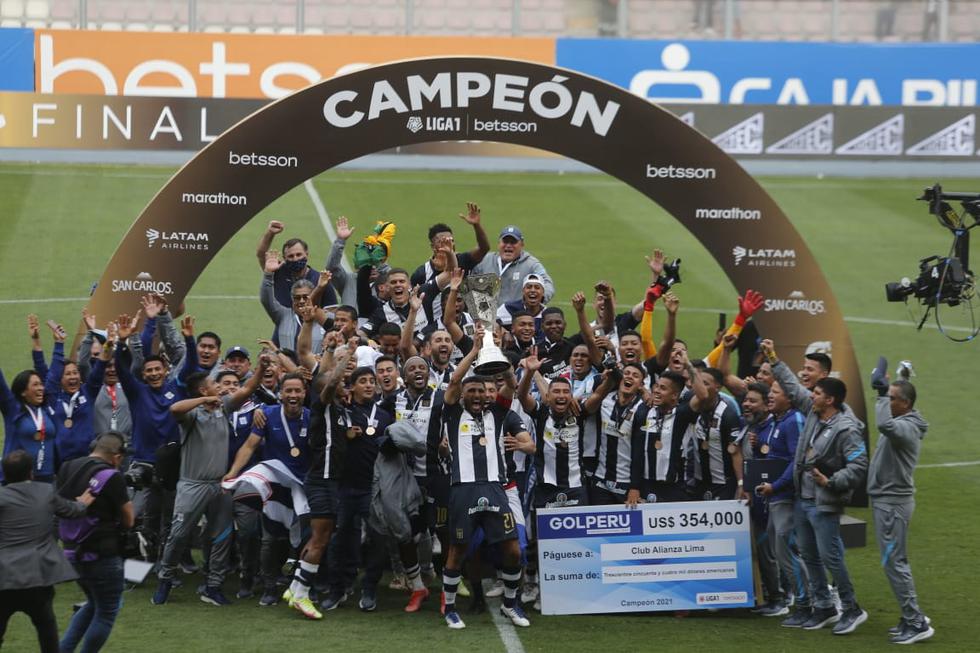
x=551, y=496
x=480, y=505
x=608, y=493
x=435, y=494
x=323, y=496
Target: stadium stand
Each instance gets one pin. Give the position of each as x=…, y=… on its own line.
x=797, y=20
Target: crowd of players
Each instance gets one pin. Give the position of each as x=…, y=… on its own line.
x=364, y=414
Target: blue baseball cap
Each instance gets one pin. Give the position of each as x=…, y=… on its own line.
x=237, y=351
x=511, y=231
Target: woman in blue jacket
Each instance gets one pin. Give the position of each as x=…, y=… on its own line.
x=29, y=422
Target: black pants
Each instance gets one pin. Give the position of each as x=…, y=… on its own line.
x=36, y=603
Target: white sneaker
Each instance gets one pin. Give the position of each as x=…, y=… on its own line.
x=530, y=593
x=436, y=547
x=835, y=595
x=537, y=604
x=496, y=590
x=516, y=616
x=453, y=620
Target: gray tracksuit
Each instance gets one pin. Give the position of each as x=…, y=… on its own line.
x=512, y=276
x=892, y=489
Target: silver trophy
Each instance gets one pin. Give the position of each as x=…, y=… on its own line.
x=480, y=294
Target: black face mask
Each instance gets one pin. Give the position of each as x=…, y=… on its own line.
x=293, y=267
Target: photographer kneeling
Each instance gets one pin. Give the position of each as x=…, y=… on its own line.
x=93, y=543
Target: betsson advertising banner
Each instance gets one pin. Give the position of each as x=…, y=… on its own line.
x=747, y=72
x=237, y=65
x=16, y=59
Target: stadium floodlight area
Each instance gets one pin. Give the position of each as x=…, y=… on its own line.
x=775, y=20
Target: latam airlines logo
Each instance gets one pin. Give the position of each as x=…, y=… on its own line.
x=798, y=302
x=185, y=240
x=764, y=258
x=516, y=94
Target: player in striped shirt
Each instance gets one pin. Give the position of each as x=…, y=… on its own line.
x=476, y=433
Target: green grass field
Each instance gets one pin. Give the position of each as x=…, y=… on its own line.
x=61, y=223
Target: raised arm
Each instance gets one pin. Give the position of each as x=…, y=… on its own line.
x=189, y=364
x=240, y=396
x=335, y=375
x=584, y=328
x=449, y=308
x=594, y=400
x=798, y=395
x=52, y=382
x=737, y=386
x=698, y=385
x=265, y=242
x=267, y=291
x=671, y=302
x=531, y=364
x=455, y=387
x=406, y=346
x=472, y=218
x=607, y=316
x=747, y=306
x=304, y=339
x=321, y=287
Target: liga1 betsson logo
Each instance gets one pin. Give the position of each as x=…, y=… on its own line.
x=733, y=213
x=764, y=258
x=184, y=240
x=434, y=124
x=797, y=302
x=516, y=94
x=679, y=172
x=144, y=283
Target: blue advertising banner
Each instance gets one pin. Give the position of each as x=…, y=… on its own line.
x=746, y=72
x=658, y=556
x=16, y=59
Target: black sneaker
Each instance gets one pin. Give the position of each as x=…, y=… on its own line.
x=912, y=633
x=799, y=617
x=853, y=617
x=897, y=628
x=821, y=617
x=162, y=594
x=774, y=609
x=269, y=598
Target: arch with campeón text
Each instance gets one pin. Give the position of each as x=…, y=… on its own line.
x=503, y=100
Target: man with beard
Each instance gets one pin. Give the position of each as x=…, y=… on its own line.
x=204, y=420
x=437, y=345
x=284, y=436
x=555, y=349
x=777, y=439
x=475, y=434
x=421, y=404
x=296, y=254
x=531, y=302
x=513, y=264
x=657, y=472
x=153, y=424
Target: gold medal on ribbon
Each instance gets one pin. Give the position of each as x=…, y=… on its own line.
x=38, y=436
x=294, y=452
x=370, y=430
x=68, y=423
x=704, y=445
x=658, y=445
x=483, y=442
x=732, y=449
x=764, y=449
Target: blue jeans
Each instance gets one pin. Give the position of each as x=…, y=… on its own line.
x=102, y=581
x=818, y=538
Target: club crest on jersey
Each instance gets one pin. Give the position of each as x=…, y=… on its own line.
x=483, y=505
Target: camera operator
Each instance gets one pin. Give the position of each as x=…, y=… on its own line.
x=94, y=543
x=892, y=490
x=831, y=461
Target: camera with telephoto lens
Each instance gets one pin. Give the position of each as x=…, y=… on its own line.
x=139, y=476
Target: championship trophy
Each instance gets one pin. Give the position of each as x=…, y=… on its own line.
x=480, y=294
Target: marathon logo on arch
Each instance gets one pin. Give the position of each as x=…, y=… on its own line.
x=549, y=99
x=797, y=302
x=143, y=283
x=732, y=213
x=589, y=524
x=215, y=199
x=679, y=172
x=764, y=258
x=182, y=240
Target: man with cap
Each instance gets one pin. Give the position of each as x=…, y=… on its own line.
x=531, y=302
x=238, y=361
x=513, y=264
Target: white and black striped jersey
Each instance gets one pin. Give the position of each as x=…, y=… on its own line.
x=558, y=458
x=518, y=461
x=664, y=461
x=616, y=438
x=440, y=380
x=714, y=443
x=591, y=424
x=328, y=440
x=425, y=412
x=475, y=442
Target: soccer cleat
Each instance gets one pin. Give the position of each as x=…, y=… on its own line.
x=214, y=596
x=453, y=620
x=368, y=601
x=287, y=596
x=774, y=609
x=850, y=620
x=516, y=615
x=896, y=629
x=332, y=601
x=306, y=608
x=821, y=617
x=530, y=593
x=415, y=601
x=799, y=617
x=163, y=592
x=269, y=598
x=496, y=590
x=463, y=590
x=911, y=633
